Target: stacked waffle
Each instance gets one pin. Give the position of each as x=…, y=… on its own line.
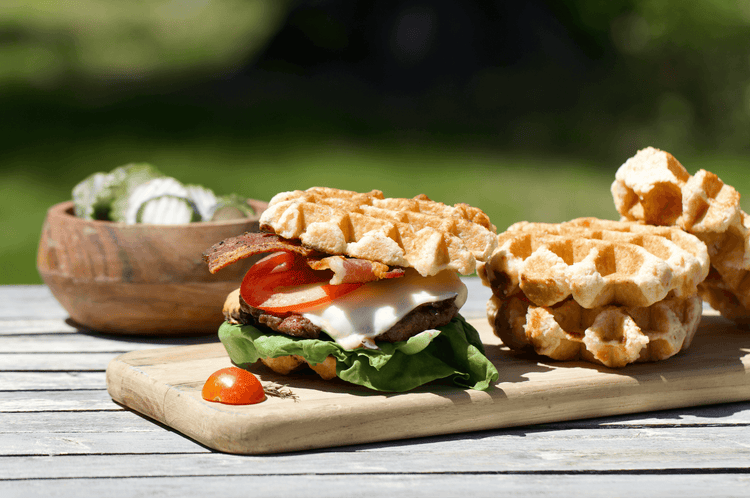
x=653, y=187
x=617, y=292
x=604, y=291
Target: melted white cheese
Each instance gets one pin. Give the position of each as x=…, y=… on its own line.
x=357, y=318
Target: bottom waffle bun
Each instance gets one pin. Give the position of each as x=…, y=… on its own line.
x=721, y=296
x=285, y=365
x=613, y=336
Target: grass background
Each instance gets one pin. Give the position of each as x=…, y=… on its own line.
x=509, y=187
x=525, y=109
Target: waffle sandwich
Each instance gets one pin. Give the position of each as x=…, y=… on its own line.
x=359, y=286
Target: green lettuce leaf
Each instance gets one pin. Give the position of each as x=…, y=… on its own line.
x=454, y=352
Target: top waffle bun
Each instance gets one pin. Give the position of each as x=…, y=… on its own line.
x=653, y=187
x=419, y=233
x=596, y=262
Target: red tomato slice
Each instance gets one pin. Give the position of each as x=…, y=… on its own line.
x=284, y=283
x=304, y=297
x=233, y=386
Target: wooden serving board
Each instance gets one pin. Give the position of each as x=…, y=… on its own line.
x=165, y=384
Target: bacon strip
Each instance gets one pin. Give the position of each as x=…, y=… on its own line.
x=350, y=270
x=233, y=249
x=345, y=270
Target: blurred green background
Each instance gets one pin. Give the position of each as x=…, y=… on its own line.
x=525, y=109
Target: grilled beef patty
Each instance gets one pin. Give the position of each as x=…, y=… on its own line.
x=424, y=317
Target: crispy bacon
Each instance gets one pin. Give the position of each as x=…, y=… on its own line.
x=345, y=270
x=231, y=250
x=350, y=270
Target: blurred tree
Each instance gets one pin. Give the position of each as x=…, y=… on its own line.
x=400, y=89
x=101, y=46
x=594, y=77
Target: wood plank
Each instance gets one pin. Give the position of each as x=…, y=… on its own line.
x=508, y=450
x=426, y=484
x=91, y=443
x=54, y=362
x=84, y=342
x=21, y=302
x=165, y=385
x=47, y=381
x=30, y=415
x=35, y=325
x=718, y=415
x=56, y=401
x=112, y=419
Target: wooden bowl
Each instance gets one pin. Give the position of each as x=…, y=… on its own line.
x=139, y=279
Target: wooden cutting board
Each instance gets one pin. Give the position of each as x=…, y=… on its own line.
x=165, y=384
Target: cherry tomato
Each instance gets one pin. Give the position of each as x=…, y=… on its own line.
x=284, y=283
x=233, y=386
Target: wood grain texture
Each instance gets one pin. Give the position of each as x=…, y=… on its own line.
x=45, y=362
x=138, y=279
x=373, y=483
x=26, y=303
x=35, y=326
x=51, y=381
x=62, y=435
x=68, y=401
x=128, y=445
x=91, y=343
x=165, y=385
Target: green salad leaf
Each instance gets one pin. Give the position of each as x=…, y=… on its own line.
x=454, y=352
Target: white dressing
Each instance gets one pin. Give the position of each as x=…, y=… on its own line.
x=360, y=316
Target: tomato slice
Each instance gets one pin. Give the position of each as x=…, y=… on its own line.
x=305, y=297
x=283, y=283
x=233, y=386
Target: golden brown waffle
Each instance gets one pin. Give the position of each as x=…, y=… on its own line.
x=285, y=365
x=610, y=335
x=419, y=233
x=595, y=262
x=653, y=187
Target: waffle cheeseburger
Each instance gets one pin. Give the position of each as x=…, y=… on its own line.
x=360, y=287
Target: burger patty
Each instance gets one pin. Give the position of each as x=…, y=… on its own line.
x=424, y=317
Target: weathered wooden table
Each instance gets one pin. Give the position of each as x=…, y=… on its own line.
x=62, y=435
